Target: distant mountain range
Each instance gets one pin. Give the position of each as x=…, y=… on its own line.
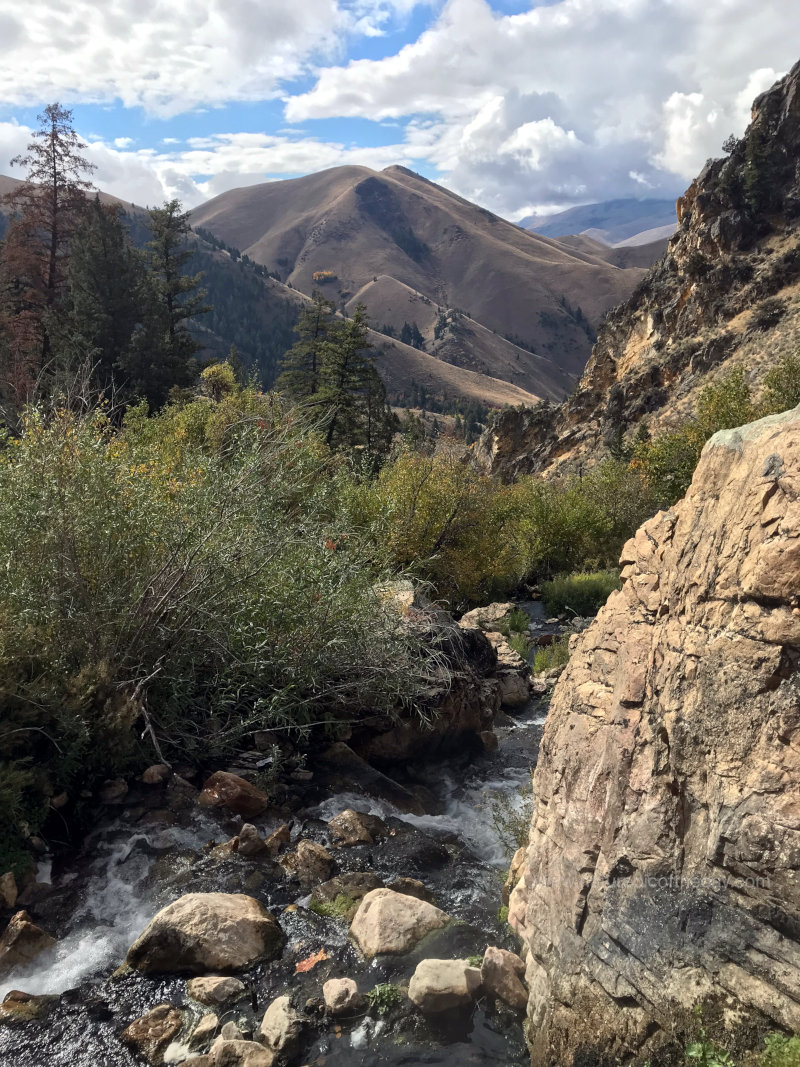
x=612, y=222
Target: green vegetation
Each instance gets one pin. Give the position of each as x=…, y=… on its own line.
x=342, y=907
x=384, y=998
x=511, y=814
x=502, y=914
x=580, y=594
x=474, y=961
x=555, y=655
x=781, y=1051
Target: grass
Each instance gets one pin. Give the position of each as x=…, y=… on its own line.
x=580, y=594
x=341, y=907
x=384, y=998
x=555, y=655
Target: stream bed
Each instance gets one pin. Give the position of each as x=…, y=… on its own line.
x=131, y=866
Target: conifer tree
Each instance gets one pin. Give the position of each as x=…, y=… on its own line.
x=300, y=367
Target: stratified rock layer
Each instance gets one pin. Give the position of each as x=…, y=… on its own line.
x=663, y=868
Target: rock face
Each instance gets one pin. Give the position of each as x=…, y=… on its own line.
x=393, y=923
x=737, y=245
x=207, y=932
x=663, y=867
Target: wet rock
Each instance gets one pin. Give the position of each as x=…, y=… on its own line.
x=355, y=828
x=19, y=1007
x=310, y=863
x=150, y=1035
x=215, y=990
x=392, y=923
x=502, y=975
x=489, y=740
x=439, y=985
x=231, y=1031
x=412, y=887
x=357, y=770
x=204, y=1031
x=281, y=1028
x=342, y=996
x=113, y=791
x=22, y=941
x=59, y=801
x=238, y=1054
x=344, y=892
x=514, y=873
x=157, y=774
x=204, y=932
x=180, y=794
x=279, y=837
x=226, y=790
x=8, y=891
x=250, y=841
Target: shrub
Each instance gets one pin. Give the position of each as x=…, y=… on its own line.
x=781, y=1051
x=580, y=594
x=555, y=655
x=782, y=385
x=768, y=313
x=384, y=998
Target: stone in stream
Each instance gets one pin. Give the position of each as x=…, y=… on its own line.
x=19, y=1007
x=150, y=1035
x=341, y=996
x=412, y=887
x=156, y=775
x=278, y=837
x=341, y=895
x=250, y=841
x=355, y=828
x=281, y=1028
x=226, y=790
x=392, y=923
x=204, y=1031
x=502, y=974
x=224, y=1053
x=8, y=891
x=215, y=990
x=439, y=985
x=310, y=863
x=22, y=942
x=203, y=932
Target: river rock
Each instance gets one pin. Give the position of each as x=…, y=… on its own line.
x=203, y=932
x=22, y=941
x=502, y=973
x=392, y=923
x=237, y=1053
x=150, y=1035
x=412, y=887
x=486, y=617
x=214, y=991
x=281, y=1028
x=156, y=775
x=113, y=791
x=355, y=828
x=439, y=985
x=348, y=890
x=8, y=891
x=341, y=996
x=204, y=1031
x=19, y=1007
x=310, y=863
x=226, y=790
x=277, y=838
x=251, y=843
x=664, y=858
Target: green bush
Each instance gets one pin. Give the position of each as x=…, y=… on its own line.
x=384, y=998
x=579, y=594
x=555, y=655
x=781, y=1051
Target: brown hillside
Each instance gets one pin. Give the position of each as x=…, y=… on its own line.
x=362, y=226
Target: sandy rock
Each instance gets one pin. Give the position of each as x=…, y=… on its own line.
x=226, y=790
x=281, y=1027
x=487, y=617
x=392, y=923
x=502, y=973
x=439, y=985
x=204, y=1031
x=60, y=800
x=150, y=1035
x=22, y=941
x=341, y=996
x=213, y=991
x=664, y=856
x=156, y=775
x=8, y=891
x=240, y=1054
x=278, y=837
x=203, y=932
x=250, y=841
x=355, y=828
x=412, y=887
x=310, y=863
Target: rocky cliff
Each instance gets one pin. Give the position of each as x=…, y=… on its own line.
x=663, y=869
x=726, y=293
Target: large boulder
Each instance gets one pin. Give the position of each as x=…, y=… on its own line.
x=207, y=932
x=440, y=985
x=392, y=923
x=226, y=790
x=664, y=858
x=21, y=942
x=502, y=974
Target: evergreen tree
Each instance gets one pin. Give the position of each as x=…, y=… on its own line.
x=300, y=367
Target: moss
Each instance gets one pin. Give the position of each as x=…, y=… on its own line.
x=341, y=907
x=502, y=914
x=384, y=998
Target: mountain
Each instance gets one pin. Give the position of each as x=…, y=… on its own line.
x=725, y=295
x=613, y=222
x=484, y=295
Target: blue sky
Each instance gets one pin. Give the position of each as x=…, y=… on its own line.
x=519, y=106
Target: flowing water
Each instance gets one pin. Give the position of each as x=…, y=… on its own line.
x=130, y=867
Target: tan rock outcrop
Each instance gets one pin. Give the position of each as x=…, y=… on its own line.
x=663, y=867
x=203, y=933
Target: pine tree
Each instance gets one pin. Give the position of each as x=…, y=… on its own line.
x=300, y=367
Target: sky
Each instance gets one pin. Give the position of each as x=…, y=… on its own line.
x=519, y=106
